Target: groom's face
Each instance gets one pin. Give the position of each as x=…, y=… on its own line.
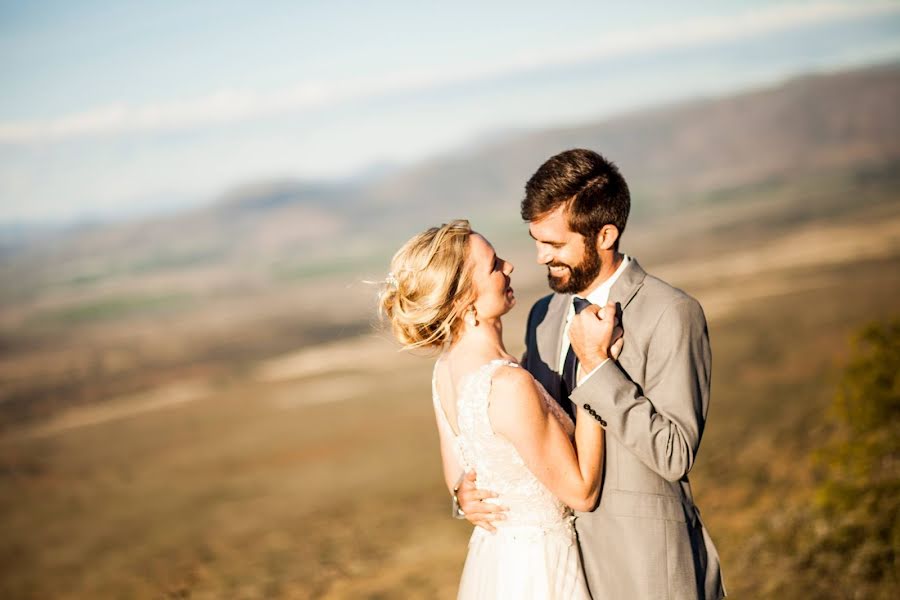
x=573, y=263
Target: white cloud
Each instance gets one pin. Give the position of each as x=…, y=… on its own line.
x=229, y=106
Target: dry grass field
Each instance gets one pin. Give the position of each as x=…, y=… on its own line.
x=311, y=470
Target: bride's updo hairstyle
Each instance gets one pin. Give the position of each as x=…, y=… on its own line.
x=429, y=286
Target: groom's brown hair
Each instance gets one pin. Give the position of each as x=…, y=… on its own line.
x=592, y=186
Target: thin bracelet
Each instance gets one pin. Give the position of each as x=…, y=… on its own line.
x=457, y=512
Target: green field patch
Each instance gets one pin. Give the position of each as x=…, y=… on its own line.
x=114, y=307
x=326, y=267
x=164, y=261
x=87, y=279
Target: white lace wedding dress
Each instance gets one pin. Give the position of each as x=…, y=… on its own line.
x=533, y=554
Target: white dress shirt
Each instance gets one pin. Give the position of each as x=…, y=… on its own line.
x=600, y=297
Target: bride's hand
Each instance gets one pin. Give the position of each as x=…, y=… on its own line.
x=618, y=342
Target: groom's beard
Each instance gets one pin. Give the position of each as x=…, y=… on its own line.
x=581, y=275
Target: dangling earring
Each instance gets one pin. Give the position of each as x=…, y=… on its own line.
x=470, y=317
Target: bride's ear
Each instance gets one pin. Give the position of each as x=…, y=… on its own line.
x=466, y=313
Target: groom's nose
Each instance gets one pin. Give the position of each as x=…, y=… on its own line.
x=544, y=255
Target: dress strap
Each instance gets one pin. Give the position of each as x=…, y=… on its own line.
x=500, y=362
x=474, y=407
x=434, y=393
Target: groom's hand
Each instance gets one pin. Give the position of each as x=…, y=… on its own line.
x=471, y=501
x=619, y=342
x=592, y=335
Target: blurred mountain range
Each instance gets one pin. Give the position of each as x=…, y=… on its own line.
x=671, y=156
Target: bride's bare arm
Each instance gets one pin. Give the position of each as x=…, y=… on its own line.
x=518, y=413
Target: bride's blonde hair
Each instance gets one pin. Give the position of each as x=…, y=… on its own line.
x=429, y=286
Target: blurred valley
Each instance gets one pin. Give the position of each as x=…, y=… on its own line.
x=202, y=405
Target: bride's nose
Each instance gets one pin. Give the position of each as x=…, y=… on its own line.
x=508, y=267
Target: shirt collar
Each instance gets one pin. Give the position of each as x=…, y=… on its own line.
x=600, y=296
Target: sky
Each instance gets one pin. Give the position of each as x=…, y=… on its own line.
x=118, y=109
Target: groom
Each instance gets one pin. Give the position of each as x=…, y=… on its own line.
x=645, y=539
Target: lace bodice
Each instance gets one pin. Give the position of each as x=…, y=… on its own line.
x=496, y=461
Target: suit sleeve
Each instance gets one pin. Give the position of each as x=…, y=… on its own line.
x=661, y=424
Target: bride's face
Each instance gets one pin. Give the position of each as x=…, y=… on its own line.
x=490, y=277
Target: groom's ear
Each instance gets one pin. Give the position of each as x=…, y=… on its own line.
x=607, y=237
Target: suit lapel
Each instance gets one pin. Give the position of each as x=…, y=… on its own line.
x=549, y=331
x=628, y=284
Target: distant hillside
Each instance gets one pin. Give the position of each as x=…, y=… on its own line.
x=807, y=124
x=670, y=156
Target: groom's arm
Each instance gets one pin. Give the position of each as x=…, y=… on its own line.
x=661, y=424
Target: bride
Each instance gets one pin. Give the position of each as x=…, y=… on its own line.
x=448, y=290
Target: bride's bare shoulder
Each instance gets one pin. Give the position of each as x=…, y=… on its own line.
x=513, y=388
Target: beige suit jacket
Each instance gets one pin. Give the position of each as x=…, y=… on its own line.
x=645, y=540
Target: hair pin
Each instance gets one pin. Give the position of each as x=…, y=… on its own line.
x=391, y=280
